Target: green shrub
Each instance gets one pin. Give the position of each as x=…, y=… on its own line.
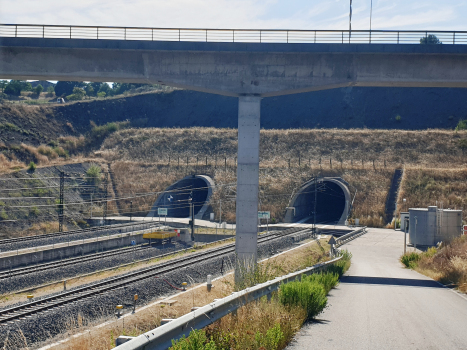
x=410, y=260
x=271, y=340
x=462, y=125
x=463, y=143
x=398, y=118
x=328, y=279
x=311, y=296
x=3, y=215
x=341, y=266
x=196, y=341
x=32, y=167
x=61, y=152
x=93, y=175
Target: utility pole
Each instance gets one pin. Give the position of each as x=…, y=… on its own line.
x=106, y=180
x=192, y=214
x=61, y=201
x=350, y=21
x=220, y=211
x=91, y=205
x=314, y=211
x=131, y=210
x=371, y=13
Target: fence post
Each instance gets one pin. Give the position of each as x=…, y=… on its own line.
x=225, y=163
x=289, y=163
x=374, y=165
x=206, y=160
x=330, y=162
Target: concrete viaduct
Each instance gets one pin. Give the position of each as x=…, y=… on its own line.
x=249, y=71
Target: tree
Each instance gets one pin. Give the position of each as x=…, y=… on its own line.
x=38, y=89
x=89, y=90
x=430, y=40
x=3, y=84
x=50, y=91
x=78, y=94
x=13, y=88
x=66, y=87
x=25, y=85
x=105, y=88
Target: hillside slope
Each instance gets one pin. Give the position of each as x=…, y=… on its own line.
x=338, y=108
x=374, y=108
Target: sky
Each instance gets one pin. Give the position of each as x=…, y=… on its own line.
x=254, y=14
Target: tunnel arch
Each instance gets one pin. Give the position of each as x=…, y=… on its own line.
x=333, y=202
x=176, y=197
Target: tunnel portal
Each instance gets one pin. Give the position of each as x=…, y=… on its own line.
x=332, y=202
x=176, y=198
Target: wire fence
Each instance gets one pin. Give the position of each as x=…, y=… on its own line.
x=231, y=35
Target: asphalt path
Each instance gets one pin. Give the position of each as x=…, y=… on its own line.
x=379, y=304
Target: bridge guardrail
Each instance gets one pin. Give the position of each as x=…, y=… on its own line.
x=161, y=338
x=230, y=35
x=350, y=236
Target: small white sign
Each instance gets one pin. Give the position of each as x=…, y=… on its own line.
x=162, y=211
x=264, y=215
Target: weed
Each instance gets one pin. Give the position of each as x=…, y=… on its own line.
x=410, y=260
x=308, y=294
x=32, y=167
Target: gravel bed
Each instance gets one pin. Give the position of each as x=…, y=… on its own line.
x=60, y=273
x=41, y=327
x=39, y=242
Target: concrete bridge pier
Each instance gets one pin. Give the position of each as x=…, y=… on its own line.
x=249, y=109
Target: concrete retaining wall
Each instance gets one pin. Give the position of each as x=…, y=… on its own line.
x=208, y=238
x=47, y=255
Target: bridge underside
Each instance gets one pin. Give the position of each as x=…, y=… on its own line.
x=235, y=69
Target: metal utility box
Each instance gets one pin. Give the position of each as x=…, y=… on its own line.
x=429, y=226
x=403, y=216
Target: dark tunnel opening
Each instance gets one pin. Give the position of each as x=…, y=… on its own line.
x=177, y=197
x=330, y=203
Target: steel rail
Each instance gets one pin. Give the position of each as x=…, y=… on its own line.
x=47, y=303
x=229, y=35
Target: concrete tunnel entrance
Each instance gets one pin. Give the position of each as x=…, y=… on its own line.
x=332, y=202
x=176, y=198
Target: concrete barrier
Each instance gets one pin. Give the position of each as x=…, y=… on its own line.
x=208, y=238
x=75, y=249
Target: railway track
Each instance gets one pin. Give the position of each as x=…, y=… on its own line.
x=60, y=234
x=34, y=307
x=21, y=271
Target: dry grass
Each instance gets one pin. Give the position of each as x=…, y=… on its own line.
x=148, y=160
x=103, y=338
x=444, y=187
x=448, y=265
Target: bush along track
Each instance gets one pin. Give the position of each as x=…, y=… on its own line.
x=446, y=263
x=269, y=324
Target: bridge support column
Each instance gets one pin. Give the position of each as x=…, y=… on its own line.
x=249, y=108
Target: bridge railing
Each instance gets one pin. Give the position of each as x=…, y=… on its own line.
x=229, y=35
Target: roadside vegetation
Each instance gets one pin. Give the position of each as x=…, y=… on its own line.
x=446, y=264
x=270, y=324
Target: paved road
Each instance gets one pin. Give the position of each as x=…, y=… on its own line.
x=381, y=305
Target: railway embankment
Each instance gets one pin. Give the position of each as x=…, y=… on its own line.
x=51, y=315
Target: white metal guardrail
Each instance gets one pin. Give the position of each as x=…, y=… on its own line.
x=161, y=338
x=230, y=35
x=350, y=236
